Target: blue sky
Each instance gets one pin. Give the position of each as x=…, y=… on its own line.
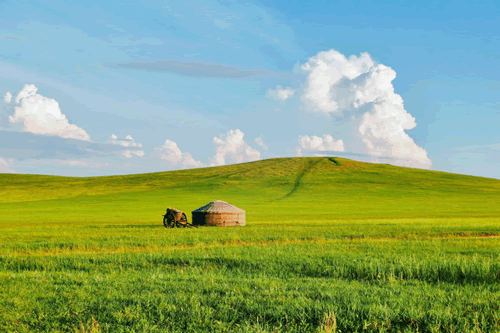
x=128, y=87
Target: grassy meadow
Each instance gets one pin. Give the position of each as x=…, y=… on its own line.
x=329, y=246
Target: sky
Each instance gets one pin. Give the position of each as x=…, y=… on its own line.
x=93, y=88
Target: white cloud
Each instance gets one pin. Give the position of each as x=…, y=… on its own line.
x=261, y=143
x=5, y=166
x=229, y=148
x=280, y=93
x=315, y=143
x=232, y=146
x=42, y=115
x=358, y=90
x=7, y=98
x=170, y=152
x=131, y=153
x=127, y=142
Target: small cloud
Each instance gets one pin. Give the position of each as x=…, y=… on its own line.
x=128, y=142
x=170, y=152
x=131, y=153
x=7, y=98
x=280, y=93
x=315, y=143
x=5, y=166
x=261, y=143
x=232, y=146
x=42, y=115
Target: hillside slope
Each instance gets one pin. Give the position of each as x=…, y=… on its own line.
x=365, y=247
x=285, y=188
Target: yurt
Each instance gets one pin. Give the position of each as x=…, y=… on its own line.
x=219, y=213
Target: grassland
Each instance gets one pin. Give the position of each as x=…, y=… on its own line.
x=329, y=247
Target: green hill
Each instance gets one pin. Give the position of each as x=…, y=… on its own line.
x=283, y=189
x=329, y=246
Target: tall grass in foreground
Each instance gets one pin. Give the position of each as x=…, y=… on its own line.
x=370, y=285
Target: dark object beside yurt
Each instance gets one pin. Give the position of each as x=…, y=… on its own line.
x=175, y=218
x=219, y=213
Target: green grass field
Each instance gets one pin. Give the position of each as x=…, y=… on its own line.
x=329, y=246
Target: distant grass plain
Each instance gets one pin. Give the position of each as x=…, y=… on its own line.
x=328, y=247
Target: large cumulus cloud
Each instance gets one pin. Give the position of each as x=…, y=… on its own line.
x=280, y=93
x=359, y=91
x=42, y=115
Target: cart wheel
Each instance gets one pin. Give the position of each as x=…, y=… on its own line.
x=169, y=221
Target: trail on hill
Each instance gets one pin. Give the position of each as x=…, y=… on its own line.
x=302, y=173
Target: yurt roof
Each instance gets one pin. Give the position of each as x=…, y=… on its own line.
x=218, y=206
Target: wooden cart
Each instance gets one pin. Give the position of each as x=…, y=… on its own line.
x=175, y=218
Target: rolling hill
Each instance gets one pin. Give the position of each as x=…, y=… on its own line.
x=329, y=246
x=285, y=188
